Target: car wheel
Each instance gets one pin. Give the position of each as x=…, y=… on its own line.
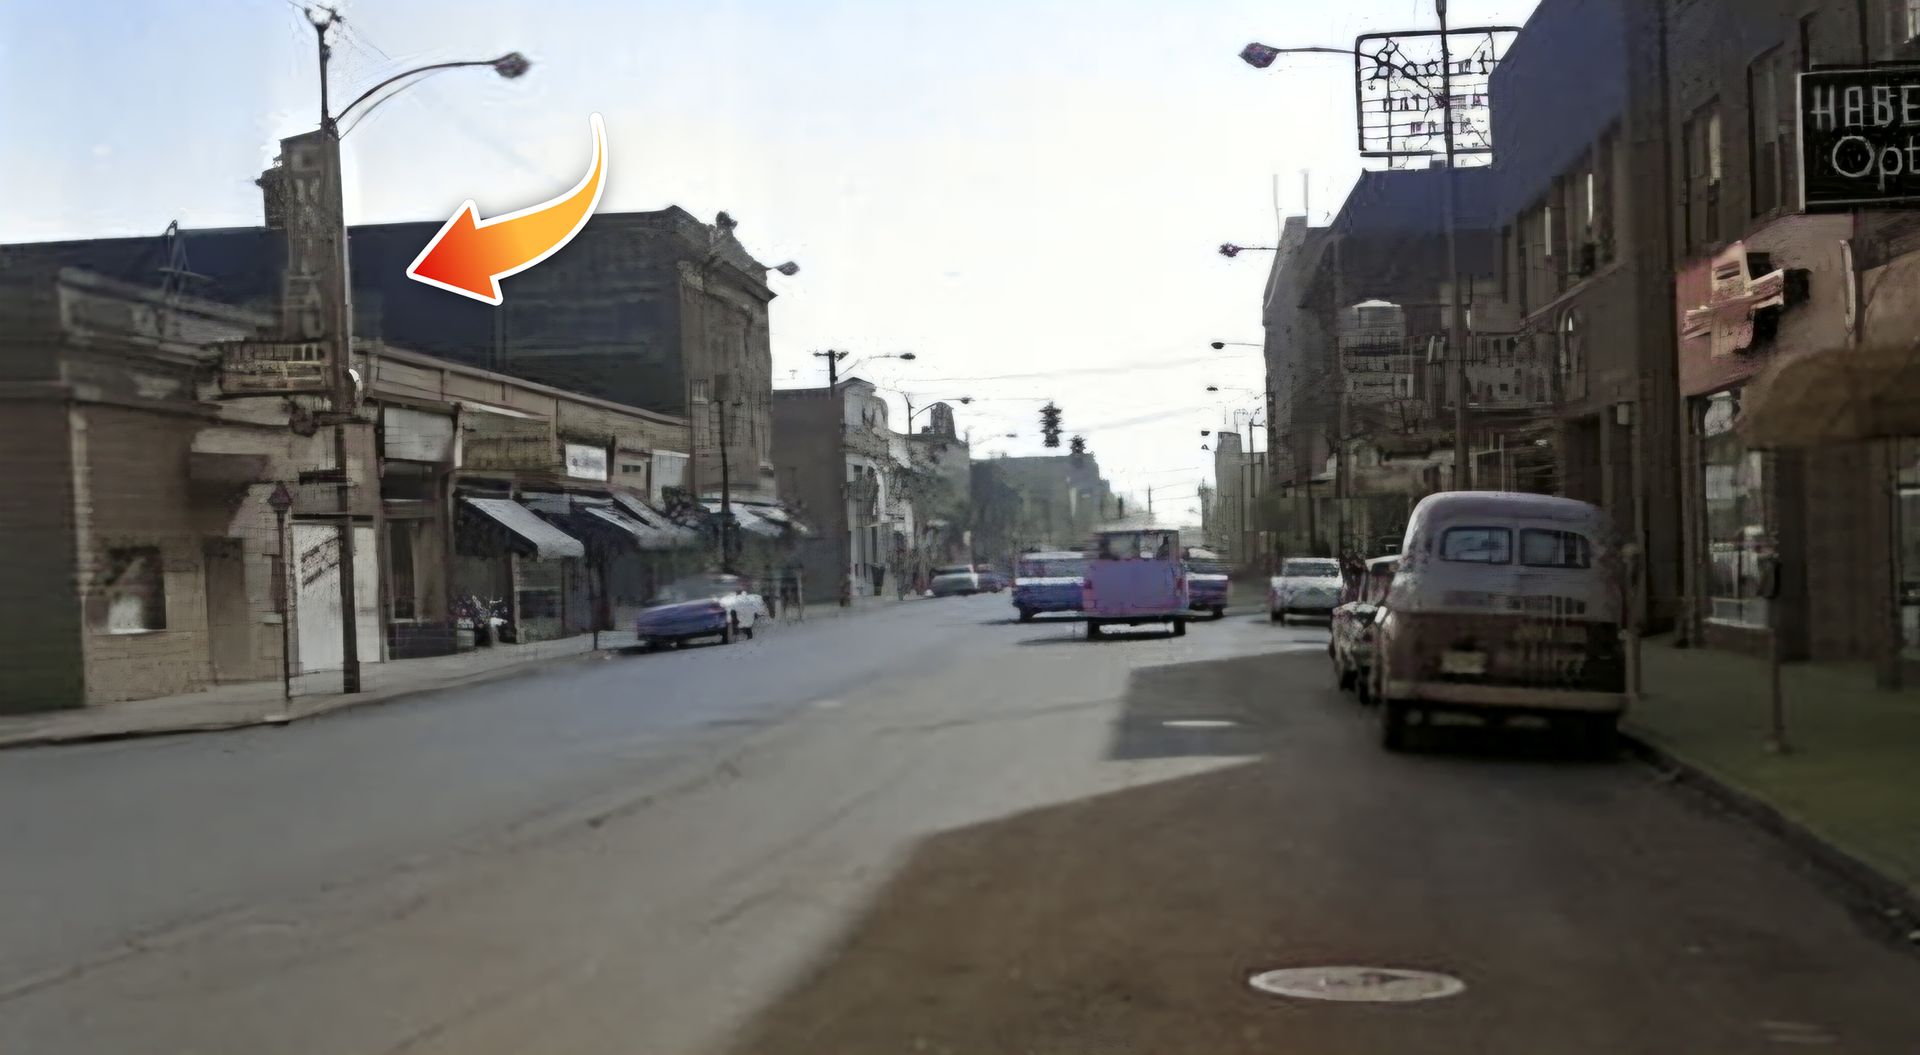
x=1026, y=615
x=1273, y=615
x=1219, y=613
x=1393, y=724
x=1093, y=630
x=1179, y=628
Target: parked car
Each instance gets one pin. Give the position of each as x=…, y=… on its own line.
x=1307, y=586
x=1048, y=582
x=1504, y=605
x=714, y=605
x=1207, y=585
x=1350, y=643
x=1134, y=577
x=958, y=580
x=992, y=580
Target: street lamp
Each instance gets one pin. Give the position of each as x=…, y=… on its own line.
x=1230, y=250
x=911, y=412
x=788, y=269
x=1217, y=345
x=833, y=360
x=1260, y=56
x=329, y=250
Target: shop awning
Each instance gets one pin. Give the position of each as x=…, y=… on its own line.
x=548, y=542
x=665, y=533
x=644, y=536
x=780, y=516
x=749, y=519
x=1840, y=395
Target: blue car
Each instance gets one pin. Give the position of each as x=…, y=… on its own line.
x=716, y=606
x=1049, y=582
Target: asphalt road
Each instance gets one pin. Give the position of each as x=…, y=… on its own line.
x=923, y=829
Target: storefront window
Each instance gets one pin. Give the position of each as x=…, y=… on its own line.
x=1737, y=535
x=1908, y=512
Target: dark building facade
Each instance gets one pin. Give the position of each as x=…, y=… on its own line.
x=1580, y=178
x=1757, y=281
x=655, y=310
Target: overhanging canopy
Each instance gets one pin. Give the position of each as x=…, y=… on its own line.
x=1840, y=395
x=667, y=534
x=546, y=541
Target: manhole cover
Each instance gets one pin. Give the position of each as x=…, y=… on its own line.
x=1199, y=723
x=1385, y=985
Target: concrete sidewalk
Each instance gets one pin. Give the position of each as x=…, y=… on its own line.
x=1849, y=787
x=251, y=703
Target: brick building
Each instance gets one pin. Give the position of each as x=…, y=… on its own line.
x=1757, y=281
x=1580, y=172
x=653, y=310
x=141, y=528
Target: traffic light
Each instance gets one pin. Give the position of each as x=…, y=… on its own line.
x=1121, y=505
x=1077, y=448
x=1050, y=425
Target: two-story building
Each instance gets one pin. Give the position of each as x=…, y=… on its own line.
x=148, y=557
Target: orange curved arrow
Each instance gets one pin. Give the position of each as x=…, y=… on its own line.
x=470, y=256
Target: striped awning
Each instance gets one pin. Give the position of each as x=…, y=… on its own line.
x=544, y=540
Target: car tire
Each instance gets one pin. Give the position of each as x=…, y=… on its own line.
x=1093, y=630
x=1026, y=615
x=1179, y=628
x=1273, y=615
x=1219, y=613
x=1348, y=678
x=1393, y=724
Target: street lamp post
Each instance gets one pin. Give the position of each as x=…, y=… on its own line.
x=1260, y=56
x=280, y=501
x=911, y=412
x=337, y=326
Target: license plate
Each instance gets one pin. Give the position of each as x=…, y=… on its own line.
x=1463, y=663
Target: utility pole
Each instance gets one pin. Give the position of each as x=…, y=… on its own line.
x=339, y=333
x=1456, y=319
x=833, y=365
x=722, y=389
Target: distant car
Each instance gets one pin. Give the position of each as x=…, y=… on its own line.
x=1049, y=581
x=958, y=580
x=1350, y=642
x=717, y=606
x=1308, y=586
x=1207, y=585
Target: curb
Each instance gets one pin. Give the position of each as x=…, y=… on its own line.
x=1891, y=904
x=296, y=713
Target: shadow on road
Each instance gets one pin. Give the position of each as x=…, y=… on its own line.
x=1566, y=898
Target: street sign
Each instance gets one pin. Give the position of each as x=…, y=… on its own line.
x=1859, y=138
x=1397, y=90
x=275, y=368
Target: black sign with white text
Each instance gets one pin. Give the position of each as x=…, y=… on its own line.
x=1859, y=138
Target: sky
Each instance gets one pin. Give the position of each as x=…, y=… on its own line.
x=1026, y=194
